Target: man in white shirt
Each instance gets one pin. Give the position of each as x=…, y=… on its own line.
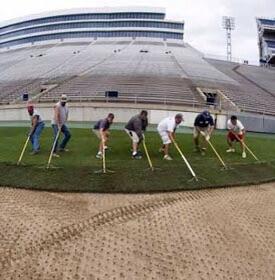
x=37, y=126
x=236, y=132
x=166, y=129
x=60, y=118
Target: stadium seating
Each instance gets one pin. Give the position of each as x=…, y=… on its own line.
x=141, y=71
x=263, y=77
x=246, y=94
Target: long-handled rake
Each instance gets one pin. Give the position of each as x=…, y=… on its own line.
x=52, y=150
x=147, y=155
x=246, y=147
x=216, y=153
x=23, y=150
x=104, y=170
x=185, y=160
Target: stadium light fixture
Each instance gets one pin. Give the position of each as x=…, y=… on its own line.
x=228, y=23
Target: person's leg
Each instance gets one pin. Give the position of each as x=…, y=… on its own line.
x=166, y=143
x=242, y=146
x=106, y=135
x=230, y=139
x=196, y=139
x=135, y=145
x=67, y=136
x=36, y=136
x=55, y=131
x=229, y=142
x=100, y=146
x=31, y=139
x=204, y=142
x=166, y=149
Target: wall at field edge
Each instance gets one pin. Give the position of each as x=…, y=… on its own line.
x=92, y=113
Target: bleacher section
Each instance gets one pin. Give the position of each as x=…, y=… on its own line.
x=140, y=71
x=141, y=89
x=264, y=77
x=247, y=95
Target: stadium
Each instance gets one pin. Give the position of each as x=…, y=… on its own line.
x=148, y=218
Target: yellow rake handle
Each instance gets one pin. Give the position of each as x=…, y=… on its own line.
x=103, y=160
x=23, y=150
x=147, y=155
x=216, y=153
x=54, y=143
x=185, y=160
x=242, y=141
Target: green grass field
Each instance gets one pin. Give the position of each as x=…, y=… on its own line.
x=76, y=169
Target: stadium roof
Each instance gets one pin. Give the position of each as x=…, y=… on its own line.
x=135, y=9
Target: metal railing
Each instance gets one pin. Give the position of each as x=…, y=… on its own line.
x=126, y=99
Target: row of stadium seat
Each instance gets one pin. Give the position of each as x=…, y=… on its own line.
x=156, y=72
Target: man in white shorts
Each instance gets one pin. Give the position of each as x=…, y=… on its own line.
x=135, y=128
x=236, y=133
x=166, y=129
x=101, y=130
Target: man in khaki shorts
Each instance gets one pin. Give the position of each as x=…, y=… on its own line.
x=135, y=129
x=203, y=126
x=101, y=130
x=167, y=130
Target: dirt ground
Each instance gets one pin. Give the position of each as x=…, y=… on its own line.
x=210, y=234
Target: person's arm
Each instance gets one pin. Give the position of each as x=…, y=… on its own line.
x=67, y=113
x=211, y=126
x=240, y=129
x=211, y=129
x=171, y=131
x=144, y=125
x=57, y=116
x=171, y=135
x=34, y=124
x=137, y=124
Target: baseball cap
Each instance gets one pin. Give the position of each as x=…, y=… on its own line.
x=206, y=113
x=64, y=98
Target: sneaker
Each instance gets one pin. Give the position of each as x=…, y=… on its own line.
x=230, y=150
x=137, y=156
x=243, y=154
x=167, y=157
x=63, y=150
x=99, y=155
x=56, y=155
x=33, y=153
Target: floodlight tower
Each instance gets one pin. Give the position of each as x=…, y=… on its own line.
x=228, y=23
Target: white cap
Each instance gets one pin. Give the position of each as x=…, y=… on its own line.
x=64, y=98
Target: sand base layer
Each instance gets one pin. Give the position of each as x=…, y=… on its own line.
x=209, y=234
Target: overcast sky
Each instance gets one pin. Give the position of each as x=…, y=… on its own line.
x=202, y=18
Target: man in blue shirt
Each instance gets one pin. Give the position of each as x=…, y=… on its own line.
x=101, y=130
x=204, y=126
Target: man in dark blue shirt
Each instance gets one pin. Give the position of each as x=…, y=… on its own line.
x=101, y=130
x=204, y=125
